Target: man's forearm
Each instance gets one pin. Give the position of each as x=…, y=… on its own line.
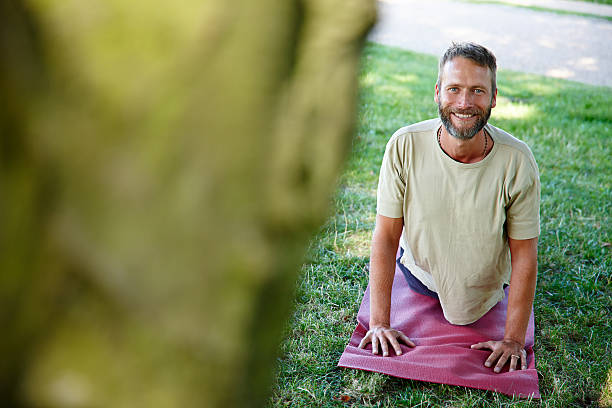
x=522, y=289
x=382, y=268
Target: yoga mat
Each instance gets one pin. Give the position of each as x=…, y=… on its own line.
x=442, y=353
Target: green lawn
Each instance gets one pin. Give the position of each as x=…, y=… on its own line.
x=543, y=8
x=569, y=128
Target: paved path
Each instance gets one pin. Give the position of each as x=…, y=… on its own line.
x=545, y=43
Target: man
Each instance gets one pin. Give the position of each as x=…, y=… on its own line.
x=463, y=196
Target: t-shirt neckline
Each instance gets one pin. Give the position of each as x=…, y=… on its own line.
x=454, y=162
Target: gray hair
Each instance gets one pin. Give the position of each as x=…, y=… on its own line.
x=475, y=52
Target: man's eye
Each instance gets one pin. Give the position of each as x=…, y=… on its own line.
x=479, y=91
x=452, y=89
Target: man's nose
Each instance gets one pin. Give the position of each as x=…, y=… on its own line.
x=464, y=99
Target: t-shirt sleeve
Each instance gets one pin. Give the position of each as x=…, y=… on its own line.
x=523, y=212
x=391, y=182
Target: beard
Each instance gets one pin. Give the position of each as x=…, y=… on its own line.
x=463, y=133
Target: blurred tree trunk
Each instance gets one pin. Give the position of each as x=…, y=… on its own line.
x=162, y=166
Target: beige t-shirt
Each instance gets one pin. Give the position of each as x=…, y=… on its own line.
x=457, y=216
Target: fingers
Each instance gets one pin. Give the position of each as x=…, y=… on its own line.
x=514, y=359
x=366, y=339
x=501, y=362
x=406, y=340
x=393, y=336
x=394, y=343
x=502, y=353
x=383, y=344
x=381, y=339
x=483, y=345
x=493, y=357
x=374, y=343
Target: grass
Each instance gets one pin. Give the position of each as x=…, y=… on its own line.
x=598, y=1
x=547, y=9
x=569, y=128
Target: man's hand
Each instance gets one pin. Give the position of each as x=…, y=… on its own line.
x=502, y=351
x=524, y=256
x=381, y=335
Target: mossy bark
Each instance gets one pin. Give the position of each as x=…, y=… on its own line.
x=162, y=167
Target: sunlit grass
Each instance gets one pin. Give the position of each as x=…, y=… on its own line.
x=569, y=128
x=509, y=110
x=606, y=393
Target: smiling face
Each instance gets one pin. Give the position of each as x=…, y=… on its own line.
x=465, y=97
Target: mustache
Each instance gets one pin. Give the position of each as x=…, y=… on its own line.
x=467, y=111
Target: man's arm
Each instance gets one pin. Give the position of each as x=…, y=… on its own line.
x=382, y=270
x=524, y=255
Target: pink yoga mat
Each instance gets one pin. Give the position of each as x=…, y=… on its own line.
x=443, y=353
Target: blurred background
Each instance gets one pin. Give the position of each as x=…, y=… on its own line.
x=557, y=38
x=162, y=167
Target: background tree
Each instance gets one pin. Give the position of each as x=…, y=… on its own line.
x=161, y=169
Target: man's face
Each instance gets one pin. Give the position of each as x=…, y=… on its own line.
x=464, y=97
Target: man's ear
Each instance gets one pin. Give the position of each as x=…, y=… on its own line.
x=494, y=99
x=437, y=94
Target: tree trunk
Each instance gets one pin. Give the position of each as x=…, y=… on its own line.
x=161, y=170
